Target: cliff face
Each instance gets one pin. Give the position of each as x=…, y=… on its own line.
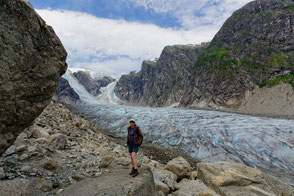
x=92, y=85
x=160, y=82
x=66, y=94
x=32, y=59
x=254, y=47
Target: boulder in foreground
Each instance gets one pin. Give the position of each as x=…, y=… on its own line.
x=236, y=179
x=115, y=182
x=32, y=59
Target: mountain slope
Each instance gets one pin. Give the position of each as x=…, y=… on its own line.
x=253, y=49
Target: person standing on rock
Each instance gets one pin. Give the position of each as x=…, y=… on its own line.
x=134, y=140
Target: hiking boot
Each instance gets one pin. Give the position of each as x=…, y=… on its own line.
x=132, y=172
x=136, y=173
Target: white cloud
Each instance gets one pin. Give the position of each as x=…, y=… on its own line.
x=192, y=13
x=116, y=45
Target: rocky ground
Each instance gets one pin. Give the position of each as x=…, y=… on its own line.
x=60, y=149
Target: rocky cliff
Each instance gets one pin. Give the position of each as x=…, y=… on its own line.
x=161, y=82
x=32, y=59
x=66, y=94
x=92, y=85
x=253, y=49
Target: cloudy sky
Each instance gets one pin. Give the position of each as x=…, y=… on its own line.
x=117, y=35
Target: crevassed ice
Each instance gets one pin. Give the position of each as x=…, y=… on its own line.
x=205, y=135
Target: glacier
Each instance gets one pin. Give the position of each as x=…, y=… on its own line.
x=261, y=142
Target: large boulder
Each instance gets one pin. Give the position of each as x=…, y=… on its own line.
x=193, y=187
x=180, y=167
x=115, y=182
x=236, y=179
x=32, y=59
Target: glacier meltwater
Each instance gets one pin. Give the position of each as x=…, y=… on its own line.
x=206, y=135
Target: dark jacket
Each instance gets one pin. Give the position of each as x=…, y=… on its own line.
x=137, y=134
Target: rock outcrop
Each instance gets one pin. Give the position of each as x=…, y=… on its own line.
x=92, y=85
x=32, y=59
x=115, y=182
x=163, y=81
x=235, y=179
x=66, y=94
x=253, y=49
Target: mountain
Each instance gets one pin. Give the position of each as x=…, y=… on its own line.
x=92, y=85
x=254, y=49
x=32, y=59
x=161, y=82
x=66, y=94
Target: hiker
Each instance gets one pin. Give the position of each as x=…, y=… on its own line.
x=135, y=139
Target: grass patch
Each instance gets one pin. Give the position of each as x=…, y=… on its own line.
x=219, y=57
x=157, y=95
x=286, y=79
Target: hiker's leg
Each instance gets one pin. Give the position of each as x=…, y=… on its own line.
x=133, y=155
x=132, y=159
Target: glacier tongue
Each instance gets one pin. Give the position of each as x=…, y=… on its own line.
x=206, y=135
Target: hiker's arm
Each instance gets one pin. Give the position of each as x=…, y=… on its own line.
x=140, y=133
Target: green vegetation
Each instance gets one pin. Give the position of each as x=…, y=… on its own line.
x=264, y=12
x=219, y=57
x=157, y=95
x=287, y=79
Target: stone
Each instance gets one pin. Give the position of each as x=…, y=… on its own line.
x=21, y=148
x=11, y=150
x=32, y=149
x=106, y=161
x=170, y=178
x=193, y=175
x=23, y=157
x=236, y=179
x=2, y=173
x=26, y=169
x=194, y=187
x=181, y=183
x=32, y=59
x=12, y=160
x=18, y=187
x=42, y=140
x=160, y=186
x=179, y=166
x=116, y=182
x=39, y=132
x=59, y=191
x=45, y=185
x=58, y=141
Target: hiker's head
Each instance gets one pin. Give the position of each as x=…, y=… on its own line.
x=132, y=122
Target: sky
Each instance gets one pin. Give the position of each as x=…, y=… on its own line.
x=115, y=36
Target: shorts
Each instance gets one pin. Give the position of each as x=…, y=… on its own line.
x=133, y=148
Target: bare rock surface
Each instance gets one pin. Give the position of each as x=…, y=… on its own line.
x=115, y=182
x=32, y=59
x=235, y=179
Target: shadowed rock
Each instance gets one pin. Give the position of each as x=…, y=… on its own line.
x=32, y=59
